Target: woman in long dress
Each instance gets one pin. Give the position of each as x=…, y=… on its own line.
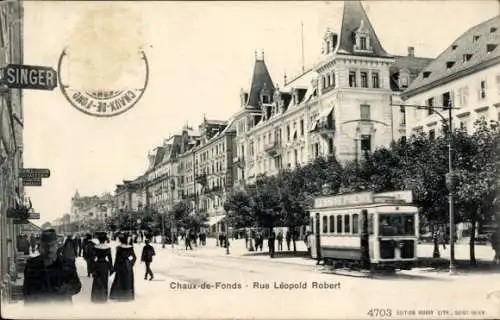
x=122, y=288
x=101, y=266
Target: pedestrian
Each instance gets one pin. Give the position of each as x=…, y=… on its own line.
x=261, y=239
x=87, y=252
x=288, y=238
x=47, y=277
x=68, y=249
x=147, y=257
x=441, y=237
x=122, y=288
x=32, y=242
x=79, y=245
x=37, y=240
x=246, y=240
x=187, y=241
x=195, y=238
x=495, y=244
x=101, y=269
x=24, y=244
x=270, y=243
x=279, y=237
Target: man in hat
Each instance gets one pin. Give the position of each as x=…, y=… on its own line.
x=47, y=277
x=147, y=257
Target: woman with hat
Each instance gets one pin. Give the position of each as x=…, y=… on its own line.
x=122, y=288
x=101, y=267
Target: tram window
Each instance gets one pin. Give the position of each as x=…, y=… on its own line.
x=332, y=224
x=347, y=222
x=339, y=223
x=325, y=224
x=355, y=223
x=396, y=225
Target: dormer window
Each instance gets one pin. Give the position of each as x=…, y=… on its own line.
x=493, y=29
x=362, y=43
x=426, y=74
x=490, y=47
x=329, y=42
x=453, y=47
x=466, y=57
x=265, y=98
x=362, y=38
x=449, y=64
x=476, y=38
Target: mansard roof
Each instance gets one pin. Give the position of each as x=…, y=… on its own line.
x=478, y=46
x=353, y=14
x=260, y=79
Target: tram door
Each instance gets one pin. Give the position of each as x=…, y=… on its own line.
x=312, y=237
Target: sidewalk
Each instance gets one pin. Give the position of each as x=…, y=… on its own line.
x=483, y=253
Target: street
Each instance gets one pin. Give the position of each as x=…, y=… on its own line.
x=207, y=282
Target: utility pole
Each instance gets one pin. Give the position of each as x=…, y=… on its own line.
x=302, y=45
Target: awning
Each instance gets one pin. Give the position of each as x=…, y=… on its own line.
x=325, y=113
x=214, y=220
x=314, y=125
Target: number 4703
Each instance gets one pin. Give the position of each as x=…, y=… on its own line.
x=376, y=312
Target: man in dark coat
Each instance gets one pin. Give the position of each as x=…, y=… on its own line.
x=87, y=252
x=270, y=243
x=147, y=257
x=47, y=277
x=33, y=243
x=79, y=245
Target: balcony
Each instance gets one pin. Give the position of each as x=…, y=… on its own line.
x=213, y=192
x=326, y=129
x=273, y=149
x=239, y=161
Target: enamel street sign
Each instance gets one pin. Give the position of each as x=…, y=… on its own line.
x=30, y=77
x=31, y=173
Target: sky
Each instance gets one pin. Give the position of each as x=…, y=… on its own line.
x=200, y=55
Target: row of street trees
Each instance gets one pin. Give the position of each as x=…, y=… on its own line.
x=419, y=164
x=180, y=218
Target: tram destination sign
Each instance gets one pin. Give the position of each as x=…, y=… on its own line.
x=344, y=200
x=30, y=77
x=32, y=173
x=361, y=198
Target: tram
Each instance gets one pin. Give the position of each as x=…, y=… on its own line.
x=365, y=230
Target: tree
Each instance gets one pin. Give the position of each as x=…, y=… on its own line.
x=239, y=209
x=293, y=200
x=476, y=175
x=265, y=196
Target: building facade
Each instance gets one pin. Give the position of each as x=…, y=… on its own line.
x=164, y=180
x=11, y=147
x=87, y=212
x=130, y=195
x=465, y=76
x=341, y=107
x=212, y=176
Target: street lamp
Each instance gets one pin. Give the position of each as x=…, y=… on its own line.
x=172, y=188
x=162, y=227
x=450, y=181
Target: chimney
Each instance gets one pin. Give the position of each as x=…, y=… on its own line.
x=411, y=51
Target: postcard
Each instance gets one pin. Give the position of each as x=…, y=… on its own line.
x=250, y=159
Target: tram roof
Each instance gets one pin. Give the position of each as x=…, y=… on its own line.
x=365, y=205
